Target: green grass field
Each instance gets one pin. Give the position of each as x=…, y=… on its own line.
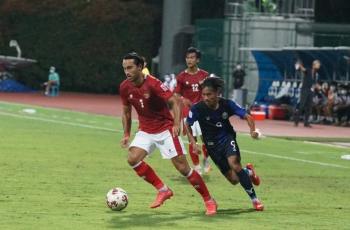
x=56, y=167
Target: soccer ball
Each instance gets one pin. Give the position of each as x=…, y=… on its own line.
x=117, y=199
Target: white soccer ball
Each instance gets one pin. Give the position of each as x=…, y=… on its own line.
x=259, y=133
x=117, y=199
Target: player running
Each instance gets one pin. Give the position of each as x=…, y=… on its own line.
x=157, y=128
x=189, y=87
x=213, y=114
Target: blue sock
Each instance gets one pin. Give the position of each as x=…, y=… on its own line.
x=246, y=183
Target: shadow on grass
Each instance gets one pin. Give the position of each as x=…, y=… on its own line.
x=154, y=219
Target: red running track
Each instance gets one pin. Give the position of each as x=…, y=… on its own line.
x=111, y=105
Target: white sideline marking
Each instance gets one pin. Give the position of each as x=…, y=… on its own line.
x=308, y=153
x=292, y=159
x=297, y=159
x=60, y=122
x=119, y=131
x=325, y=144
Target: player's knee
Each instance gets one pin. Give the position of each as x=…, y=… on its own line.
x=181, y=165
x=237, y=167
x=232, y=177
x=183, y=168
x=234, y=181
x=132, y=160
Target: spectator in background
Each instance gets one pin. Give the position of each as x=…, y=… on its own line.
x=167, y=80
x=325, y=90
x=308, y=80
x=238, y=77
x=170, y=81
x=331, y=95
x=53, y=79
x=173, y=82
x=342, y=106
x=145, y=70
x=319, y=103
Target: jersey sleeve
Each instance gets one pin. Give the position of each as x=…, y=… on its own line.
x=237, y=109
x=192, y=116
x=161, y=90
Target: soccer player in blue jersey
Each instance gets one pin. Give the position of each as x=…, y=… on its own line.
x=213, y=113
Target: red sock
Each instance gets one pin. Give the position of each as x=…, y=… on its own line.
x=194, y=156
x=197, y=182
x=147, y=173
x=205, y=152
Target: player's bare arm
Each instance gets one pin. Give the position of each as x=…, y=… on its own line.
x=253, y=133
x=191, y=138
x=126, y=120
x=174, y=104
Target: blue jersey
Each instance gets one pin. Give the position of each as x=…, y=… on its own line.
x=215, y=124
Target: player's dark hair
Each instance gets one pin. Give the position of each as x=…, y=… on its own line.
x=194, y=50
x=216, y=83
x=138, y=60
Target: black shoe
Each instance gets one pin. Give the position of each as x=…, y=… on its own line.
x=307, y=125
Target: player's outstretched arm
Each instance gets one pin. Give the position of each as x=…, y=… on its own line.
x=126, y=120
x=174, y=104
x=253, y=132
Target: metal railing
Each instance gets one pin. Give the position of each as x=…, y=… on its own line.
x=286, y=8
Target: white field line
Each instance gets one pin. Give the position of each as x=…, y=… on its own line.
x=59, y=122
x=292, y=159
x=308, y=153
x=325, y=144
x=296, y=159
x=119, y=131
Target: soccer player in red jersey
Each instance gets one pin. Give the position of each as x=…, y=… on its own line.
x=189, y=87
x=157, y=128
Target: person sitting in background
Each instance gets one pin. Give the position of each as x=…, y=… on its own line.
x=331, y=99
x=53, y=79
x=342, y=106
x=325, y=90
x=319, y=102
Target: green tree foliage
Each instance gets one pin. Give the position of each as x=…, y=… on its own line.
x=84, y=39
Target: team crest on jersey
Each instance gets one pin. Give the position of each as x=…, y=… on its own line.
x=131, y=96
x=224, y=115
x=207, y=118
x=187, y=83
x=218, y=124
x=146, y=95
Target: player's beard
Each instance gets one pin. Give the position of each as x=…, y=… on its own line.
x=137, y=79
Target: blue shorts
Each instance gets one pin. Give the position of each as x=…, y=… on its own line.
x=220, y=152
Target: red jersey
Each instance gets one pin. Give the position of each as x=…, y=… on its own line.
x=150, y=103
x=188, y=85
